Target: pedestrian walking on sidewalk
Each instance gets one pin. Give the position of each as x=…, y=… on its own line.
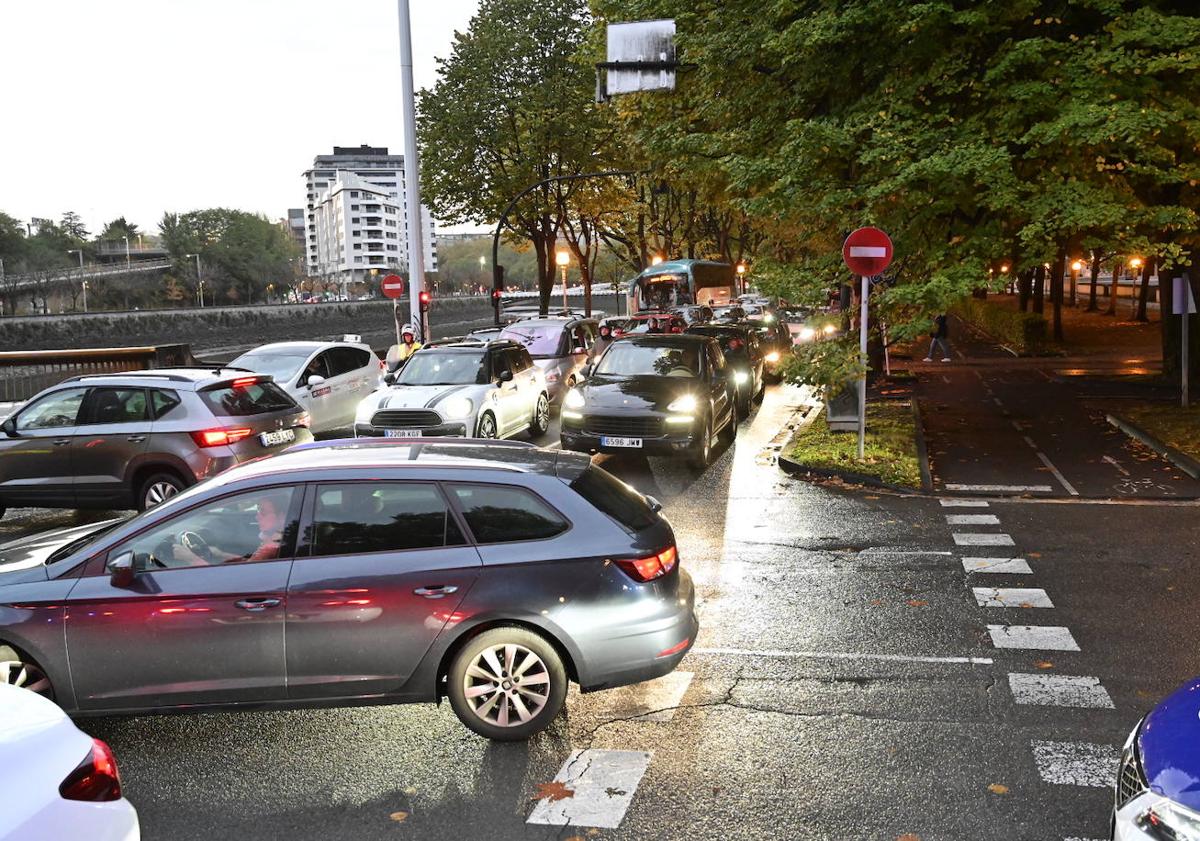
x=938, y=338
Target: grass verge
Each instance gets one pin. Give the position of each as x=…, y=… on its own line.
x=891, y=446
x=1175, y=426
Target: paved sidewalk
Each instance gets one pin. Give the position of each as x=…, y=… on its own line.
x=995, y=424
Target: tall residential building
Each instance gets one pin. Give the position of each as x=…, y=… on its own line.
x=355, y=215
x=297, y=228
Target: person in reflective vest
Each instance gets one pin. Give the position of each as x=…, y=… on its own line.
x=399, y=354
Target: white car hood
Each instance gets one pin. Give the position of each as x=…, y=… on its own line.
x=418, y=396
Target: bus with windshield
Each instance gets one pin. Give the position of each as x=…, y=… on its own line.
x=679, y=283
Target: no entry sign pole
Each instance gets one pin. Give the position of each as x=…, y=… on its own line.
x=867, y=252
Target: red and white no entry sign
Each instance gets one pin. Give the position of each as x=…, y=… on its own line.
x=392, y=286
x=867, y=251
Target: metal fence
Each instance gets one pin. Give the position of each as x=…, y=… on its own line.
x=25, y=373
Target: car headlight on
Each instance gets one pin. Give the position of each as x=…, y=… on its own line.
x=685, y=404
x=573, y=400
x=773, y=356
x=768, y=318
x=457, y=407
x=740, y=377
x=1179, y=822
x=829, y=329
x=807, y=334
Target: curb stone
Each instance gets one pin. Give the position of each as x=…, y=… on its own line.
x=1181, y=460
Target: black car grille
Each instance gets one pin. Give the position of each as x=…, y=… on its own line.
x=1130, y=780
x=405, y=418
x=627, y=426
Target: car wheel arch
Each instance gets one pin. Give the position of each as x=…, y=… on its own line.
x=60, y=684
x=140, y=469
x=552, y=636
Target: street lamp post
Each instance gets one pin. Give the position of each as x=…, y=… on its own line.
x=563, y=259
x=741, y=273
x=1135, y=264
x=1076, y=268
x=127, y=264
x=199, y=279
x=82, y=282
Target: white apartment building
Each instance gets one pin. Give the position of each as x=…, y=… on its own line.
x=355, y=215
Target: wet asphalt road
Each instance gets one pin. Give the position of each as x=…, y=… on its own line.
x=844, y=685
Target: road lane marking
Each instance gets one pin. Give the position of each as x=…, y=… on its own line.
x=655, y=700
x=842, y=655
x=964, y=503
x=950, y=486
x=1076, y=763
x=1062, y=480
x=1116, y=464
x=972, y=520
x=1017, y=566
x=555, y=444
x=976, y=539
x=1011, y=597
x=1040, y=637
x=1029, y=441
x=603, y=782
x=1045, y=690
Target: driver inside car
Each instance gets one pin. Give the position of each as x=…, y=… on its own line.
x=189, y=549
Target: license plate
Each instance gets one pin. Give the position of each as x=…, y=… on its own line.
x=279, y=436
x=605, y=441
x=402, y=433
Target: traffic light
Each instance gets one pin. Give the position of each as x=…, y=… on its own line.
x=424, y=298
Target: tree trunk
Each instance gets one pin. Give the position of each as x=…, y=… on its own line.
x=1025, y=288
x=1039, y=289
x=1092, y=307
x=1112, y=288
x=585, y=277
x=1144, y=291
x=1056, y=292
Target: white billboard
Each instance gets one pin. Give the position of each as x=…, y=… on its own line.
x=641, y=56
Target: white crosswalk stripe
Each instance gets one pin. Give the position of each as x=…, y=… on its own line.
x=964, y=503
x=1017, y=566
x=1039, y=637
x=602, y=783
x=1011, y=597
x=972, y=520
x=974, y=539
x=1076, y=763
x=1045, y=690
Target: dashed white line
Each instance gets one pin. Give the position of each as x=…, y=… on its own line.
x=1026, y=597
x=950, y=486
x=964, y=503
x=1038, y=637
x=1062, y=480
x=1046, y=690
x=978, y=539
x=603, y=782
x=1076, y=763
x=1017, y=566
x=843, y=655
x=972, y=520
x=1116, y=464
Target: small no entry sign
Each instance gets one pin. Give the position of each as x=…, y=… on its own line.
x=867, y=251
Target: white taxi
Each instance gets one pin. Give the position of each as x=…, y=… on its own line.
x=329, y=379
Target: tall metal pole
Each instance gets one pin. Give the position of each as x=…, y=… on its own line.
x=862, y=383
x=412, y=177
x=126, y=253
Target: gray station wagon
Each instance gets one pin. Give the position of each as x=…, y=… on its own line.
x=489, y=573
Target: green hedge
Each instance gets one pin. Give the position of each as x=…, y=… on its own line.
x=1024, y=332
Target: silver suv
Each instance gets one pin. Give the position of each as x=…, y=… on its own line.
x=133, y=439
x=559, y=346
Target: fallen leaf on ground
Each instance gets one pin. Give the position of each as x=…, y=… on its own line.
x=1044, y=664
x=399, y=817
x=1034, y=554
x=996, y=788
x=870, y=497
x=553, y=791
x=908, y=836
x=876, y=602
x=917, y=603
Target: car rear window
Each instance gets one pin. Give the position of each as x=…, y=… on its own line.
x=615, y=498
x=258, y=398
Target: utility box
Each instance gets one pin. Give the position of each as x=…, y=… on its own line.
x=841, y=410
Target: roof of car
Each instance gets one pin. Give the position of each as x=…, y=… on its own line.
x=669, y=339
x=197, y=375
x=308, y=346
x=374, y=454
x=719, y=327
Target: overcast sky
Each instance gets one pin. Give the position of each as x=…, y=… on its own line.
x=134, y=107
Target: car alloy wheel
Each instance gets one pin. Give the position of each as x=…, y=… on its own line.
x=16, y=671
x=507, y=684
x=487, y=426
x=702, y=453
x=158, y=489
x=541, y=416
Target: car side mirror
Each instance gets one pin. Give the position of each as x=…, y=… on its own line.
x=315, y=380
x=506, y=376
x=389, y=378
x=121, y=570
x=654, y=504
x=9, y=427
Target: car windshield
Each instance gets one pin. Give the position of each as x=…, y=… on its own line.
x=626, y=359
x=445, y=368
x=541, y=340
x=281, y=365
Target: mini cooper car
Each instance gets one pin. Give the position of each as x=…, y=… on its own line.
x=460, y=388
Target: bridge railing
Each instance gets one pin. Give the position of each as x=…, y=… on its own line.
x=25, y=373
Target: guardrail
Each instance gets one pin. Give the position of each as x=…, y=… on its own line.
x=25, y=373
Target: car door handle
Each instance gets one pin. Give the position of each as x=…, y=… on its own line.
x=59, y=442
x=137, y=439
x=258, y=604
x=436, y=591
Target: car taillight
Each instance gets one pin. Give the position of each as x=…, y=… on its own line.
x=96, y=779
x=220, y=437
x=304, y=420
x=650, y=567
x=242, y=382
